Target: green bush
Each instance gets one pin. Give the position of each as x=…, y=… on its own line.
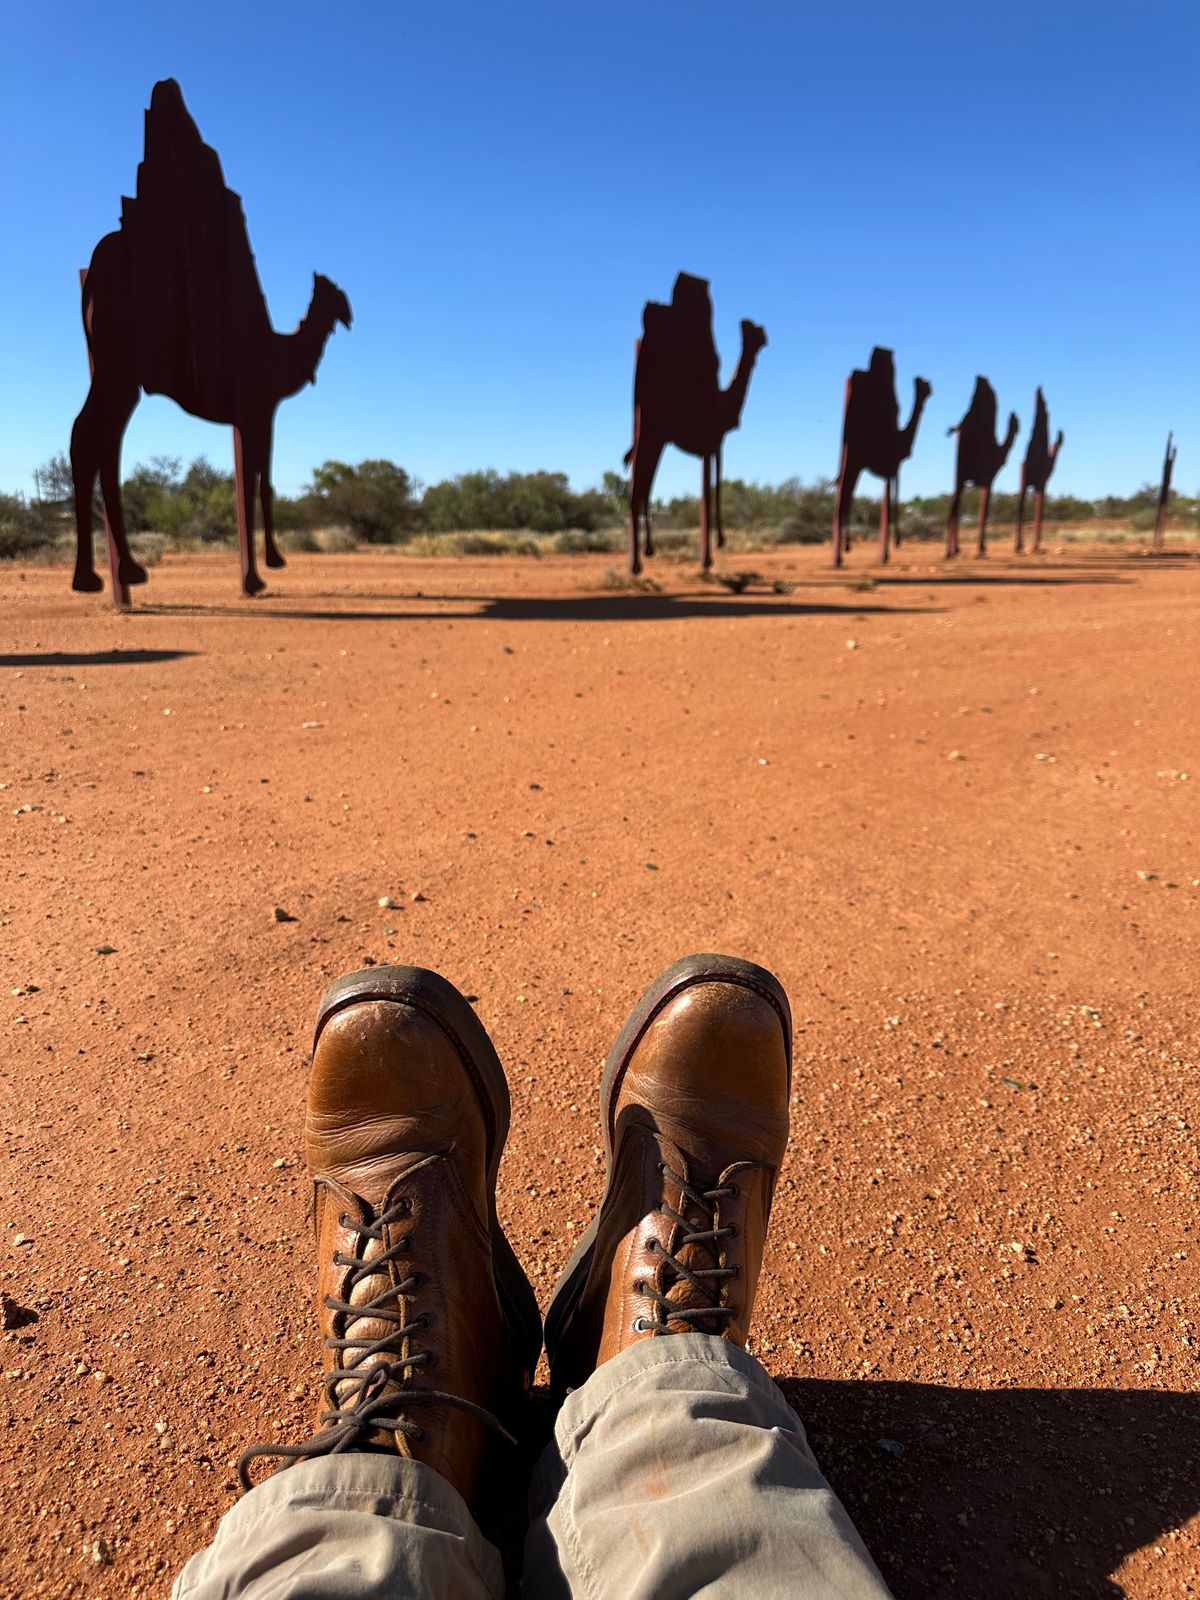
x=376, y=500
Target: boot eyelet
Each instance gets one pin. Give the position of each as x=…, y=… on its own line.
x=419, y=1436
x=426, y=1320
x=639, y=1286
x=733, y=1193
x=415, y=1280
x=737, y=1271
x=641, y=1325
x=733, y=1230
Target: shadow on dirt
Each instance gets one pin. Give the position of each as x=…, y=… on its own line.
x=995, y=1493
x=92, y=658
x=581, y=608
x=992, y=1493
x=984, y=580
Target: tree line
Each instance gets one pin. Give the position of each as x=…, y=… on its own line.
x=379, y=502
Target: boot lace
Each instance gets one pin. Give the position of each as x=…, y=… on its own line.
x=370, y=1389
x=707, y=1282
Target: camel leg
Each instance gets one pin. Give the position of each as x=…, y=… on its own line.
x=985, y=491
x=245, y=472
x=266, y=493
x=647, y=452
x=85, y=464
x=706, y=559
x=952, y=523
x=717, y=503
x=847, y=480
x=129, y=571
x=1039, y=497
x=96, y=448
x=885, y=507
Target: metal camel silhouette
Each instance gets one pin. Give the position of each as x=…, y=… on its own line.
x=678, y=399
x=1164, y=492
x=873, y=441
x=979, y=458
x=1040, y=460
x=172, y=305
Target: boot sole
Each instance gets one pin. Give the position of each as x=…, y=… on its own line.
x=685, y=974
x=432, y=994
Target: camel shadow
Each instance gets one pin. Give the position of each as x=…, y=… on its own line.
x=583, y=608
x=92, y=658
x=1003, y=1492
x=1015, y=580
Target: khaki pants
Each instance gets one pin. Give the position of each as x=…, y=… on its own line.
x=677, y=1469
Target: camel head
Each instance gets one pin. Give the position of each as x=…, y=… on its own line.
x=329, y=303
x=1013, y=429
x=754, y=338
x=922, y=389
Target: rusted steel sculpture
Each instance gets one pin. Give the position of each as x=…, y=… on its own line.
x=1164, y=493
x=1040, y=461
x=873, y=441
x=678, y=399
x=172, y=305
x=979, y=458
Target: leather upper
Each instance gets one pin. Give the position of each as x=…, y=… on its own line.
x=396, y=1122
x=702, y=1097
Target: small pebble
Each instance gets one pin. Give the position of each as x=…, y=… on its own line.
x=280, y=915
x=387, y=903
x=106, y=949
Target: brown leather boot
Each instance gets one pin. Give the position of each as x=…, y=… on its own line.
x=694, y=1099
x=431, y=1328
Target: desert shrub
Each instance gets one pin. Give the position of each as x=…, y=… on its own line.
x=148, y=548
x=206, y=525
x=575, y=541
x=26, y=527
x=333, y=541
x=376, y=500
x=303, y=541
x=539, y=502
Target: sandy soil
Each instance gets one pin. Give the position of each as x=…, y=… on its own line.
x=950, y=810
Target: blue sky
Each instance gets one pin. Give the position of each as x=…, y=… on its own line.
x=500, y=186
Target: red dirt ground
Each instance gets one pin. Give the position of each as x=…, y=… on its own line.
x=950, y=811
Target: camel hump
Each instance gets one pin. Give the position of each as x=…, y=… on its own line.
x=872, y=410
x=201, y=310
x=979, y=424
x=677, y=354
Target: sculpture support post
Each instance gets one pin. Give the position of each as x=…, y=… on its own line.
x=245, y=509
x=120, y=590
x=896, y=509
x=1038, y=498
x=1164, y=494
x=705, y=533
x=884, y=520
